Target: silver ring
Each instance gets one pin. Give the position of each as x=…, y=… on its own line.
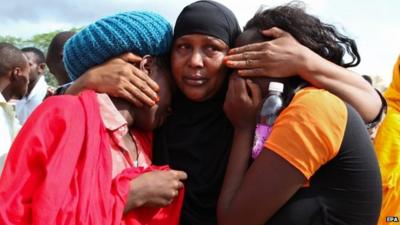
x=248, y=63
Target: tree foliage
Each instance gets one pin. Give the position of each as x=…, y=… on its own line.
x=40, y=41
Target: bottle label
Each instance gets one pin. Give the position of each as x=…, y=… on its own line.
x=261, y=134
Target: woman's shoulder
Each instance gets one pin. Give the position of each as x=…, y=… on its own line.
x=67, y=105
x=313, y=96
x=319, y=104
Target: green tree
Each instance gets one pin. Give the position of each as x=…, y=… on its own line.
x=42, y=41
x=12, y=40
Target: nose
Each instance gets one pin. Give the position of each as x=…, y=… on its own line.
x=196, y=59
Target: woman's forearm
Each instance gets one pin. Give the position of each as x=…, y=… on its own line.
x=237, y=167
x=345, y=84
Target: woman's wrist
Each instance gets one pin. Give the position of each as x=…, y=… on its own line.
x=312, y=68
x=60, y=90
x=244, y=131
x=307, y=66
x=82, y=83
x=136, y=196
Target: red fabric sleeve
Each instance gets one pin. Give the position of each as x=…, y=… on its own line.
x=39, y=159
x=58, y=171
x=59, y=168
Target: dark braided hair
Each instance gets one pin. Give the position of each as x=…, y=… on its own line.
x=320, y=37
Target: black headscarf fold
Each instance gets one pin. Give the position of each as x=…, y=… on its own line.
x=208, y=18
x=197, y=137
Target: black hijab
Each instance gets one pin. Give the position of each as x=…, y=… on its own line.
x=197, y=137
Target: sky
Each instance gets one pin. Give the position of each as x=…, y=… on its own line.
x=374, y=24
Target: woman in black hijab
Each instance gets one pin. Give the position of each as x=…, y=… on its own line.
x=197, y=136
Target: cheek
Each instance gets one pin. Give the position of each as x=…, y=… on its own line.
x=165, y=94
x=219, y=71
x=165, y=102
x=176, y=67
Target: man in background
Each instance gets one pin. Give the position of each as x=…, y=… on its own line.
x=37, y=87
x=14, y=71
x=54, y=58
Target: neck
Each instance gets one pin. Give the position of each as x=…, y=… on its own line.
x=3, y=82
x=125, y=109
x=6, y=90
x=7, y=95
x=31, y=85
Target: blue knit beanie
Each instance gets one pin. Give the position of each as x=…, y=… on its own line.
x=139, y=32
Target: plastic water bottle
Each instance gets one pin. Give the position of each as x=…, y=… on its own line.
x=270, y=110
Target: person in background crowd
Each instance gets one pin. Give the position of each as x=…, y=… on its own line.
x=387, y=147
x=37, y=87
x=54, y=58
x=14, y=71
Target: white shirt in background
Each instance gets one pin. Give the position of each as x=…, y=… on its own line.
x=27, y=104
x=9, y=127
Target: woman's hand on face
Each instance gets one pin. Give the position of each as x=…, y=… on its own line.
x=157, y=188
x=242, y=102
x=281, y=57
x=118, y=77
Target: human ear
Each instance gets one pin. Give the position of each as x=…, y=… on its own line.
x=15, y=73
x=42, y=66
x=145, y=63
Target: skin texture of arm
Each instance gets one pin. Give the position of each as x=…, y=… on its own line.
x=269, y=182
x=284, y=56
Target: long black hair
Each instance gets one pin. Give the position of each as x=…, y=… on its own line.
x=322, y=38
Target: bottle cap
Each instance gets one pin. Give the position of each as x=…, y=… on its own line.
x=275, y=86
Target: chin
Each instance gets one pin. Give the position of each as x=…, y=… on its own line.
x=20, y=96
x=197, y=96
x=148, y=125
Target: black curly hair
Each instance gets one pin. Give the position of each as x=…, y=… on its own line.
x=322, y=38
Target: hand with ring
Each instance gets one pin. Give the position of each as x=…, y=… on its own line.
x=283, y=56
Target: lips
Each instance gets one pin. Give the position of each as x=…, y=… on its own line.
x=195, y=80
